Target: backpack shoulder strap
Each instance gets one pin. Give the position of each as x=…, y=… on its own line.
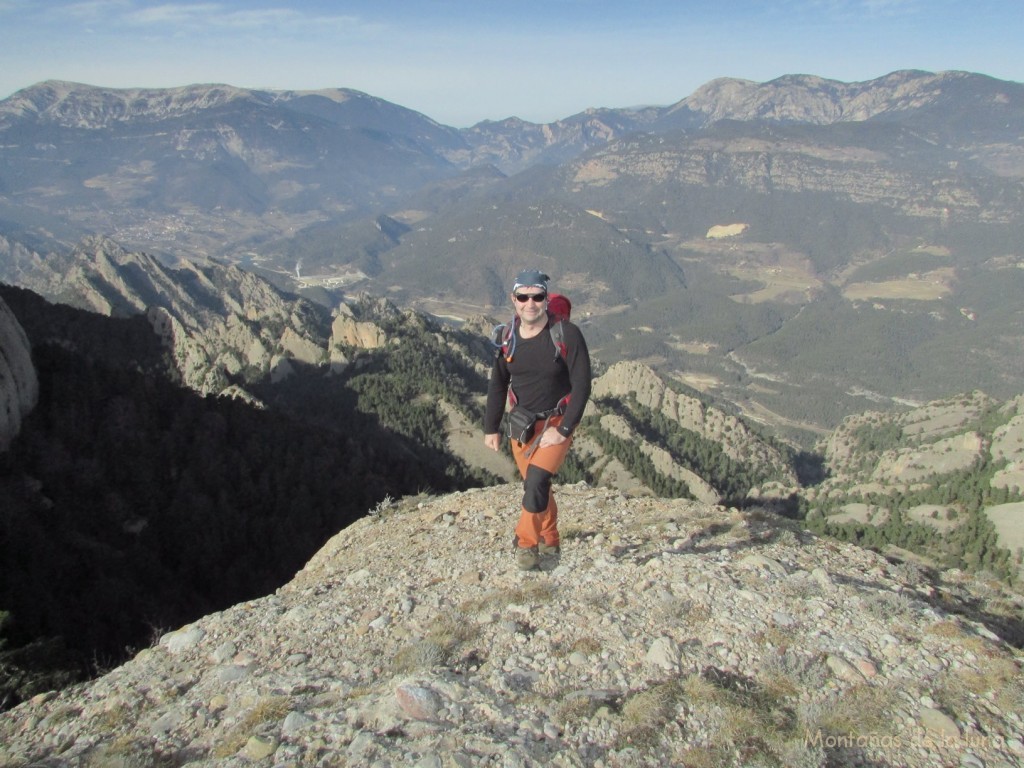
x=557, y=331
x=503, y=338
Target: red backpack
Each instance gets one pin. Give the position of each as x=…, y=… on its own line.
x=559, y=307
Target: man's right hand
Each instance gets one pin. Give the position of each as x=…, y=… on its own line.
x=493, y=441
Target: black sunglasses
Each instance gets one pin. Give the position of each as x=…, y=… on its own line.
x=522, y=298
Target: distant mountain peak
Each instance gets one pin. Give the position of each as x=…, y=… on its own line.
x=818, y=100
x=87, y=106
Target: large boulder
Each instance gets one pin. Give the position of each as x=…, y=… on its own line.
x=19, y=386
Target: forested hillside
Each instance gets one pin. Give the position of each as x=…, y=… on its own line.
x=942, y=481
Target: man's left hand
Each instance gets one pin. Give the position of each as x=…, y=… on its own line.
x=551, y=436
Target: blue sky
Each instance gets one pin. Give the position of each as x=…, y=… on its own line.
x=463, y=61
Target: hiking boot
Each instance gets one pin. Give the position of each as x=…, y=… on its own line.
x=545, y=549
x=526, y=558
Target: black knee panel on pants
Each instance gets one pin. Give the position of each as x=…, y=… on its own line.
x=536, y=489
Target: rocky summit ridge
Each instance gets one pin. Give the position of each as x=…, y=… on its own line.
x=667, y=632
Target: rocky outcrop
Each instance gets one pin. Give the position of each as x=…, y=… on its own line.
x=301, y=348
x=218, y=322
x=20, y=265
x=19, y=387
x=665, y=633
x=770, y=165
x=191, y=361
x=898, y=448
x=737, y=440
x=662, y=460
x=349, y=332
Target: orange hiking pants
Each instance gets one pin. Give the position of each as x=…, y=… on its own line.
x=538, y=520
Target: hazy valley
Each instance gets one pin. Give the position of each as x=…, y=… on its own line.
x=734, y=240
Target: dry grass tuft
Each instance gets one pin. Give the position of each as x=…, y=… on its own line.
x=797, y=753
x=422, y=654
x=682, y=610
x=997, y=677
x=266, y=710
x=117, y=716
x=947, y=628
x=452, y=629
x=863, y=710
x=578, y=706
x=588, y=645
x=775, y=636
x=909, y=574
x=786, y=673
x=748, y=718
x=996, y=672
x=443, y=638
x=1003, y=607
x=705, y=757
x=645, y=713
x=528, y=593
x=1010, y=697
x=891, y=606
x=532, y=592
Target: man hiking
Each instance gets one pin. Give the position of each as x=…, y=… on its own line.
x=543, y=370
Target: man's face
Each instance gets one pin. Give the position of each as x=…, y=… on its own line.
x=525, y=299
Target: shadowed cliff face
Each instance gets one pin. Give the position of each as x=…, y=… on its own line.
x=667, y=632
x=19, y=388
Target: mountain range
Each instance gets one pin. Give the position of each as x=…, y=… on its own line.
x=733, y=241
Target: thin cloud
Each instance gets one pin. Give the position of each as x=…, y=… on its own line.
x=198, y=17
x=91, y=11
x=892, y=7
x=864, y=9
x=220, y=17
x=175, y=14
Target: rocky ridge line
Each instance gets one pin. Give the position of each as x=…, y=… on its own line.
x=668, y=632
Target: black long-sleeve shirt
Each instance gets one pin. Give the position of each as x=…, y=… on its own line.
x=540, y=377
